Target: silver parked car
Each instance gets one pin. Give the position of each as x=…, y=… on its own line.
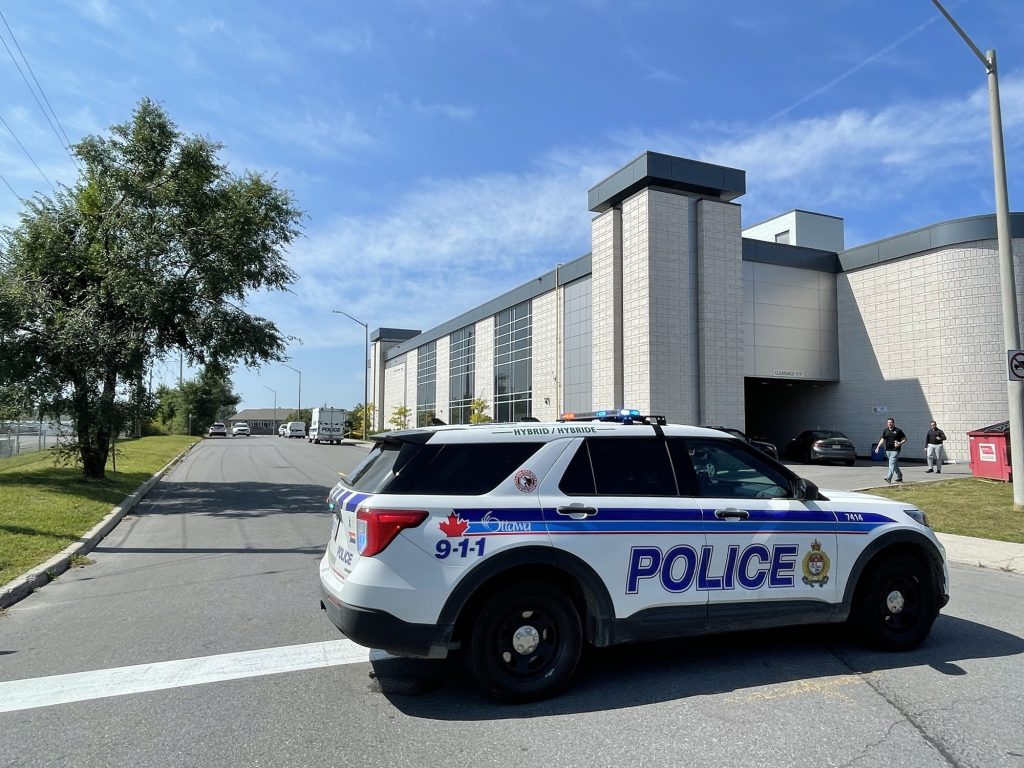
x=822, y=445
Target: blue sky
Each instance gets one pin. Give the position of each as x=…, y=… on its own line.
x=443, y=149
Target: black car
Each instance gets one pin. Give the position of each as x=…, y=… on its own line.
x=821, y=445
x=757, y=442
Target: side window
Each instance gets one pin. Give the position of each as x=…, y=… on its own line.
x=620, y=466
x=461, y=469
x=578, y=479
x=729, y=468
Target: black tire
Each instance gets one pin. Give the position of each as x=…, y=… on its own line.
x=896, y=604
x=550, y=639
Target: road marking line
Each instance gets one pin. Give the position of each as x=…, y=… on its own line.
x=120, y=681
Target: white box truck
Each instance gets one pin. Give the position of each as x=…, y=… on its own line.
x=327, y=425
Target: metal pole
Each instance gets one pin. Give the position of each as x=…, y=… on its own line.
x=275, y=405
x=1007, y=280
x=1007, y=284
x=300, y=383
x=366, y=365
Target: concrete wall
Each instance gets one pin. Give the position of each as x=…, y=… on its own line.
x=606, y=295
x=484, y=378
x=443, y=372
x=720, y=303
x=545, y=368
x=790, y=325
x=920, y=338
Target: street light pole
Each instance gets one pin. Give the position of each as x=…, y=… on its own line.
x=275, y=404
x=300, y=383
x=1007, y=282
x=366, y=357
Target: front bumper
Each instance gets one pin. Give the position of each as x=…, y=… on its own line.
x=379, y=629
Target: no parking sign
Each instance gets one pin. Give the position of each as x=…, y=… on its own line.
x=1015, y=364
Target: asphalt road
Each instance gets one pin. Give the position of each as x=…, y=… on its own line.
x=195, y=639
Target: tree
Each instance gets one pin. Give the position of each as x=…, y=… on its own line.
x=154, y=248
x=400, y=417
x=478, y=411
x=355, y=415
x=305, y=416
x=197, y=403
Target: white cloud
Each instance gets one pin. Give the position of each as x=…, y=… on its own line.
x=328, y=135
x=99, y=11
x=451, y=111
x=450, y=244
x=348, y=41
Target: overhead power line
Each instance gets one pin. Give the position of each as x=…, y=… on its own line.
x=62, y=136
x=27, y=153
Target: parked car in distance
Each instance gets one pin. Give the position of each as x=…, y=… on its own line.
x=757, y=442
x=217, y=429
x=295, y=429
x=240, y=428
x=821, y=445
x=282, y=431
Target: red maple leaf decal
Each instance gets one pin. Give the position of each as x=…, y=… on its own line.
x=454, y=526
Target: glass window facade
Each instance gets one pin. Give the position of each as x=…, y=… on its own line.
x=426, y=384
x=461, y=377
x=513, y=363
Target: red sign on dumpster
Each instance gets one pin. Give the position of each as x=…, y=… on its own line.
x=987, y=452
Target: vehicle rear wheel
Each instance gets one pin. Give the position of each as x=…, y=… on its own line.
x=525, y=642
x=896, y=603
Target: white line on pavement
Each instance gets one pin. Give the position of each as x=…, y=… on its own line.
x=81, y=686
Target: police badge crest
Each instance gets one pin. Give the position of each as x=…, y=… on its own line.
x=815, y=566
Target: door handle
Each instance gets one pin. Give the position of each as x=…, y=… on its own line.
x=577, y=511
x=731, y=513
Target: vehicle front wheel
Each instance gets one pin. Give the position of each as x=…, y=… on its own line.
x=525, y=642
x=896, y=603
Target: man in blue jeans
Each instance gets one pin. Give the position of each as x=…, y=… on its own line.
x=892, y=438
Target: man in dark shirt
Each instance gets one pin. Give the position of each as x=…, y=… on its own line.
x=892, y=438
x=933, y=447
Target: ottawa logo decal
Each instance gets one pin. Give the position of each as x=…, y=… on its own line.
x=526, y=481
x=815, y=566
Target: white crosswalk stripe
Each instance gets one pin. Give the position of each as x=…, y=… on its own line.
x=120, y=681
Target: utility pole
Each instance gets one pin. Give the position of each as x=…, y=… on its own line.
x=1007, y=283
x=366, y=364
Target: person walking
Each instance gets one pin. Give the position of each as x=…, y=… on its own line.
x=933, y=447
x=893, y=439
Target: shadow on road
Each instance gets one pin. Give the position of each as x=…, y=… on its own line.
x=638, y=675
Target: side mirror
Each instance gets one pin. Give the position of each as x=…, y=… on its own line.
x=804, y=490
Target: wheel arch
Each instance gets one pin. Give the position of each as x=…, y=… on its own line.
x=561, y=569
x=902, y=542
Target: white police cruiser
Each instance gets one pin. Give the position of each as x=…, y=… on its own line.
x=520, y=544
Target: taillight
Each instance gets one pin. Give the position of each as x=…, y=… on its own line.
x=377, y=528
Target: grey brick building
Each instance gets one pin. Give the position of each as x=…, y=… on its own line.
x=680, y=311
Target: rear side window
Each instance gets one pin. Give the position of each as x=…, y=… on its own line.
x=452, y=469
x=627, y=466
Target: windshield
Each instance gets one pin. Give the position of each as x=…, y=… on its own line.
x=828, y=434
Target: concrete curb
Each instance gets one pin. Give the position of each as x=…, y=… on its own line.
x=983, y=553
x=24, y=585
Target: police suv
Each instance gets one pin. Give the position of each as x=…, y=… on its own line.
x=520, y=544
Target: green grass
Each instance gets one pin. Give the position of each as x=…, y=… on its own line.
x=968, y=507
x=44, y=508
